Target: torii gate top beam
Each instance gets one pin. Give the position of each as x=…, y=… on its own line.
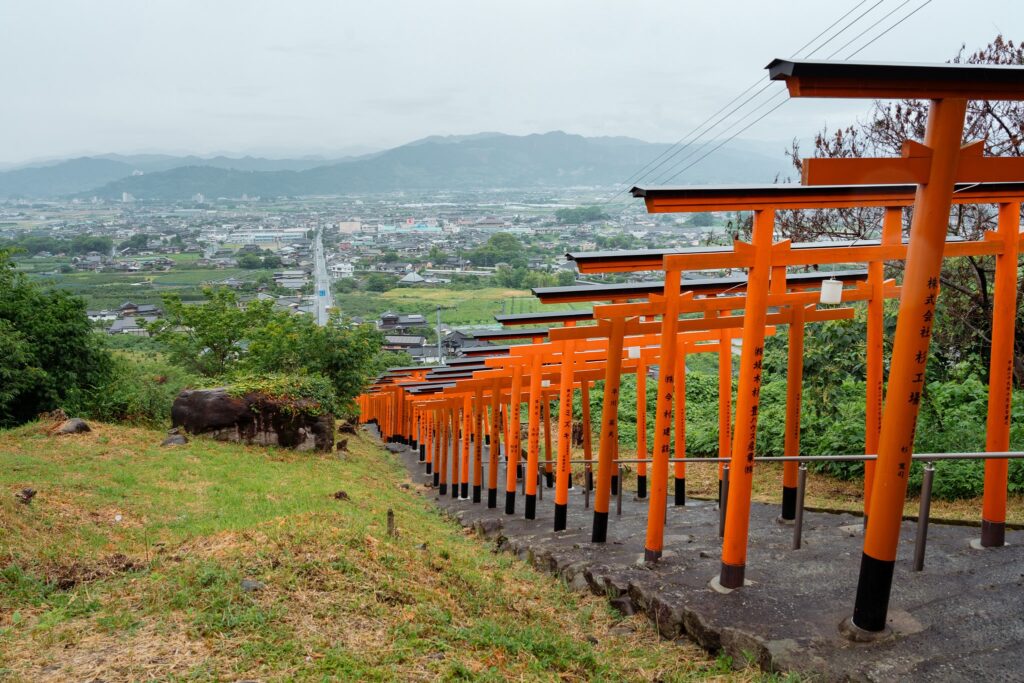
x=698, y=198
x=544, y=317
x=873, y=80
x=643, y=290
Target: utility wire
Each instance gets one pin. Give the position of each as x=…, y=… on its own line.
x=693, y=153
x=737, y=133
x=660, y=160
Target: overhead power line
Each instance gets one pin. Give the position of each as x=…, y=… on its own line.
x=674, y=149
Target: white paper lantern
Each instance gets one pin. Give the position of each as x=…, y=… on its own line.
x=831, y=291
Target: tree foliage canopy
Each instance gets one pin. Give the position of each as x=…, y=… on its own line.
x=49, y=356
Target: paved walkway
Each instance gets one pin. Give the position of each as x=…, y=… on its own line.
x=962, y=618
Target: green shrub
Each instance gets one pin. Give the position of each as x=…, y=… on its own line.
x=139, y=390
x=312, y=394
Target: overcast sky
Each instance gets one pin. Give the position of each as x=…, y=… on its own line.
x=293, y=77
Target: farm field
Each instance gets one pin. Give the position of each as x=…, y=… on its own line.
x=471, y=306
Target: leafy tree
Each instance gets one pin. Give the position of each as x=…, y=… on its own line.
x=379, y=282
x=207, y=338
x=582, y=214
x=83, y=244
x=346, y=356
x=250, y=261
x=501, y=247
x=137, y=241
x=49, y=356
x=566, y=278
x=702, y=220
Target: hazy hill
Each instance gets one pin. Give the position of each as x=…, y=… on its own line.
x=481, y=161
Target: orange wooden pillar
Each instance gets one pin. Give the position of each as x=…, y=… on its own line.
x=456, y=436
x=1000, y=377
x=478, y=444
x=794, y=391
x=588, y=478
x=494, y=447
x=724, y=403
x=548, y=452
x=741, y=466
x=892, y=231
x=909, y=356
x=609, y=432
x=641, y=428
x=679, y=467
x=563, y=470
x=512, y=443
x=443, y=450
x=654, y=542
x=536, y=401
x=466, y=423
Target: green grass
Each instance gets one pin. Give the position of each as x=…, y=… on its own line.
x=129, y=565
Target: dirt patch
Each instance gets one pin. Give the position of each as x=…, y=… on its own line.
x=67, y=576
x=148, y=653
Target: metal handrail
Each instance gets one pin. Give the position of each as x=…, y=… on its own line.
x=925, y=457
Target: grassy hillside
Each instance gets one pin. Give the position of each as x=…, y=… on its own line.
x=129, y=564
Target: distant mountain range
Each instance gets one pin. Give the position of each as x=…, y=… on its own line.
x=481, y=161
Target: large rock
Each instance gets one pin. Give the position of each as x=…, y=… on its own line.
x=252, y=418
x=73, y=426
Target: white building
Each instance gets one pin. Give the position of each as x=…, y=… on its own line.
x=341, y=270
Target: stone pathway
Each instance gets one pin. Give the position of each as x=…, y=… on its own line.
x=962, y=618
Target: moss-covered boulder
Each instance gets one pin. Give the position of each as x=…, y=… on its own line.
x=285, y=412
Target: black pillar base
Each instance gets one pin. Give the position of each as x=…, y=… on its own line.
x=873, y=588
x=519, y=472
x=993, y=534
x=732, y=575
x=549, y=479
x=651, y=555
x=430, y=467
x=455, y=490
x=423, y=453
x=589, y=477
x=531, y=506
x=615, y=484
x=443, y=489
x=414, y=443
x=719, y=493
x=492, y=498
x=476, y=494
x=510, y=502
x=788, y=503
x=641, y=486
x=600, y=533
x=680, y=497
x=561, y=516
x=437, y=478
x=570, y=480
x=487, y=439
x=465, y=489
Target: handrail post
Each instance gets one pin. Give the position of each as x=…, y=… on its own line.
x=798, y=520
x=723, y=502
x=618, y=494
x=922, y=516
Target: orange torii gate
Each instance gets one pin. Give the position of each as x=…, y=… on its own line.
x=891, y=197
x=778, y=257
x=620, y=320
x=934, y=167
